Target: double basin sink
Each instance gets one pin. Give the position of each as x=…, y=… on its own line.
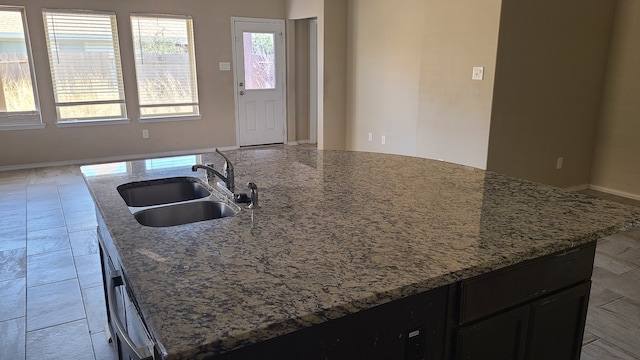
x=173, y=201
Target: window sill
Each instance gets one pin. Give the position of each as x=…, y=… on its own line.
x=63, y=124
x=170, y=118
x=13, y=127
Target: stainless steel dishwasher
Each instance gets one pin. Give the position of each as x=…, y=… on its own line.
x=127, y=329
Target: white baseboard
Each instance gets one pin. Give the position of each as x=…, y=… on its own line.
x=577, y=187
x=615, y=192
x=298, y=142
x=114, y=158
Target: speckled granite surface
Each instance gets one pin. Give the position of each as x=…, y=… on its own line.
x=337, y=232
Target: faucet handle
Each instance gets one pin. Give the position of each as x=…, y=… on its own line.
x=254, y=196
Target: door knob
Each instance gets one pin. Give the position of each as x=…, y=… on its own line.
x=241, y=92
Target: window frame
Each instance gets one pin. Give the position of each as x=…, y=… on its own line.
x=23, y=120
x=192, y=70
x=118, y=68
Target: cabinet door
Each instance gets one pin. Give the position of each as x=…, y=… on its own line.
x=557, y=324
x=500, y=337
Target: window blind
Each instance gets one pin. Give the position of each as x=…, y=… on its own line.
x=84, y=58
x=165, y=65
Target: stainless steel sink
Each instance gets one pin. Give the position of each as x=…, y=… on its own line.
x=184, y=213
x=162, y=191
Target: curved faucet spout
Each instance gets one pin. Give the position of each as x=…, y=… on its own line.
x=212, y=173
x=227, y=163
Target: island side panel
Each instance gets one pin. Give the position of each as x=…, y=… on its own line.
x=412, y=328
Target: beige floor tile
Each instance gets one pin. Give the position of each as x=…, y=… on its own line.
x=13, y=264
x=588, y=338
x=613, y=264
x=626, y=308
x=50, y=267
x=614, y=329
x=621, y=250
x=635, y=274
x=46, y=343
x=48, y=240
x=600, y=296
x=12, y=339
x=102, y=348
x=622, y=285
x=13, y=238
x=13, y=297
x=54, y=304
x=602, y=350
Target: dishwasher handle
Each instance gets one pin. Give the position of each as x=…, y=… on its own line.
x=123, y=340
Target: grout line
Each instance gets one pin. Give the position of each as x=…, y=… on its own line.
x=52, y=326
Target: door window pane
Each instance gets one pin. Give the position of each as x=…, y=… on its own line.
x=17, y=97
x=259, y=61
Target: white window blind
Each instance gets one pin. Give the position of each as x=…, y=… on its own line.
x=18, y=100
x=165, y=65
x=84, y=56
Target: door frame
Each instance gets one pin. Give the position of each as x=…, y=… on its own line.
x=313, y=81
x=280, y=59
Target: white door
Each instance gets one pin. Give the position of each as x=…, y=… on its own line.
x=258, y=55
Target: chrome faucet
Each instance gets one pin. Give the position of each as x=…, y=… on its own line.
x=228, y=177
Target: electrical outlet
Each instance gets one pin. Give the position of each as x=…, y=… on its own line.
x=370, y=136
x=383, y=139
x=145, y=134
x=559, y=162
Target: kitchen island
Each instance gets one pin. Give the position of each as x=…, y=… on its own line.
x=339, y=234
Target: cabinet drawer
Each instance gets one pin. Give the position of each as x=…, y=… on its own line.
x=521, y=283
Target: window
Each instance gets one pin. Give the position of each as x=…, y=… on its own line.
x=18, y=100
x=85, y=65
x=165, y=65
x=172, y=162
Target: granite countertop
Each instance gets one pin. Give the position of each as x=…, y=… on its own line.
x=338, y=232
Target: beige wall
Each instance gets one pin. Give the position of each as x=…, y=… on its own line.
x=550, y=70
x=305, y=9
x=616, y=167
x=334, y=123
x=217, y=127
x=410, y=65
x=455, y=111
x=384, y=52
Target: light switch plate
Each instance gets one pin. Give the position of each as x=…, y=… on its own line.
x=478, y=73
x=225, y=66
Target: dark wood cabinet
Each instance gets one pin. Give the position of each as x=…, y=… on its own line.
x=548, y=329
x=535, y=310
x=557, y=324
x=503, y=336
x=412, y=328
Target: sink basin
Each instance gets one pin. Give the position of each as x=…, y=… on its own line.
x=162, y=191
x=184, y=213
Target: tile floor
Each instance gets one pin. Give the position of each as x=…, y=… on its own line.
x=613, y=320
x=51, y=298
x=52, y=305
